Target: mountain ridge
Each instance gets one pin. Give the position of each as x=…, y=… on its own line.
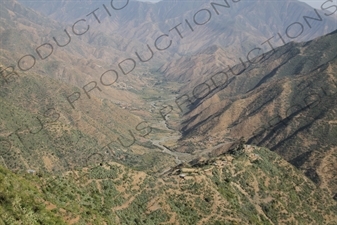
x=283, y=99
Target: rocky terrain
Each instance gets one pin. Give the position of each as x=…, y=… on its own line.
x=179, y=112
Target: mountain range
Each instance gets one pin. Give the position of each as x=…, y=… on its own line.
x=286, y=102
x=234, y=99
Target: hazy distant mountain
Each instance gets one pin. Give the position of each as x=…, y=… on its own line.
x=236, y=26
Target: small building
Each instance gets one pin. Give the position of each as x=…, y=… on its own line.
x=254, y=157
x=31, y=172
x=189, y=170
x=182, y=175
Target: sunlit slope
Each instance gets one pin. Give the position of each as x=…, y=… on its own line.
x=286, y=102
x=257, y=187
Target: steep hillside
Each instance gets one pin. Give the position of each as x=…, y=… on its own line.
x=40, y=130
x=256, y=187
x=31, y=42
x=59, y=110
x=94, y=128
x=286, y=102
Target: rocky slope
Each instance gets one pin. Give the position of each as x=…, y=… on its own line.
x=256, y=187
x=286, y=102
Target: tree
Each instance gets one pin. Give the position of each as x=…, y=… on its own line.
x=237, y=147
